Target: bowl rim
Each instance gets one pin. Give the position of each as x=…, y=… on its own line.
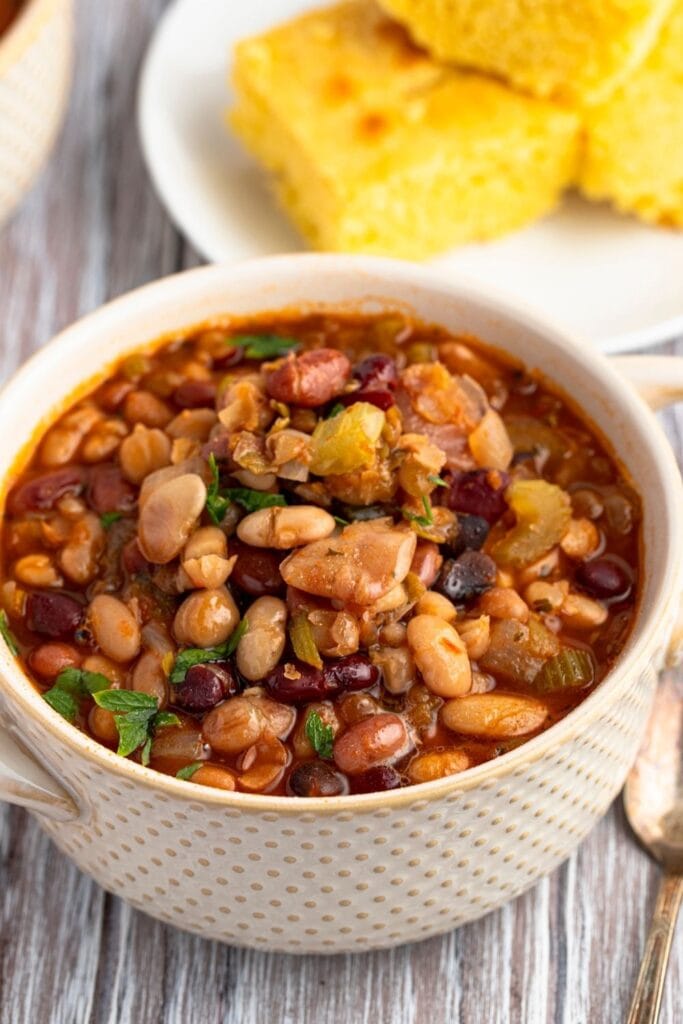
x=20, y=691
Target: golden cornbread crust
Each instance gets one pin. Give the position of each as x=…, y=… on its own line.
x=571, y=49
x=634, y=141
x=375, y=148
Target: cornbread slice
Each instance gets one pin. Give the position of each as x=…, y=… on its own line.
x=634, y=141
x=572, y=49
x=376, y=148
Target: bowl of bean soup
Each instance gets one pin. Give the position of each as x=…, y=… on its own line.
x=332, y=597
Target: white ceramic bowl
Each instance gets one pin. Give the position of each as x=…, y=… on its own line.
x=35, y=72
x=345, y=873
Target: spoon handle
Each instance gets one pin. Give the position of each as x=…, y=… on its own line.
x=647, y=997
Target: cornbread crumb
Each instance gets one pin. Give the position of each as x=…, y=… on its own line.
x=573, y=49
x=375, y=148
x=633, y=152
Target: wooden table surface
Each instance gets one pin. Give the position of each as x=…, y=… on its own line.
x=565, y=953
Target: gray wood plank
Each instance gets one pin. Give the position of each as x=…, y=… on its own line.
x=565, y=953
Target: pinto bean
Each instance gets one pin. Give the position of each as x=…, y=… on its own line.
x=205, y=559
x=144, y=407
x=279, y=718
x=195, y=394
x=79, y=556
x=437, y=764
x=372, y=741
x=206, y=618
x=102, y=725
x=214, y=775
x=476, y=635
x=148, y=677
x=427, y=562
x=233, y=726
x=494, y=716
x=310, y=379
x=261, y=647
x=114, y=627
x=143, y=452
x=440, y=655
x=168, y=517
x=49, y=660
x=285, y=527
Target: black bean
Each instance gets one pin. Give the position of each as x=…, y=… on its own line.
x=472, y=532
x=355, y=672
x=374, y=780
x=464, y=578
x=316, y=778
x=604, y=578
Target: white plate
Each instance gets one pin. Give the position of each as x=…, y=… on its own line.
x=610, y=279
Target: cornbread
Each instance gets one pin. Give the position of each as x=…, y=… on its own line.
x=574, y=49
x=634, y=141
x=375, y=148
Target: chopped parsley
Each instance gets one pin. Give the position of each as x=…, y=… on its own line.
x=201, y=656
x=254, y=500
x=335, y=410
x=320, y=736
x=263, y=346
x=438, y=481
x=109, y=518
x=427, y=519
x=188, y=771
x=6, y=633
x=70, y=686
x=216, y=503
x=340, y=522
x=137, y=719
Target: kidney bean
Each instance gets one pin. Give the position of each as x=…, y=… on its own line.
x=604, y=578
x=256, y=571
x=195, y=394
x=49, y=660
x=205, y=686
x=376, y=780
x=132, y=559
x=310, y=379
x=50, y=614
x=376, y=372
x=466, y=577
x=108, y=491
x=381, y=398
x=479, y=493
x=355, y=672
x=42, y=492
x=316, y=778
x=472, y=532
x=295, y=682
x=370, y=742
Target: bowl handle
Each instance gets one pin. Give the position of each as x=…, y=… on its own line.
x=26, y=783
x=659, y=381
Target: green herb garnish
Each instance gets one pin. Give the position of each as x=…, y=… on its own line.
x=438, y=481
x=427, y=519
x=335, y=410
x=340, y=522
x=137, y=719
x=188, y=771
x=202, y=656
x=70, y=686
x=254, y=500
x=216, y=503
x=109, y=518
x=263, y=346
x=320, y=736
x=6, y=633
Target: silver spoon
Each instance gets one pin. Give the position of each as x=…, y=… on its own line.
x=653, y=799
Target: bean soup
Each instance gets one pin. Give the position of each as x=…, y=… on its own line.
x=318, y=555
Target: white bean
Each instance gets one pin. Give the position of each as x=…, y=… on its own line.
x=261, y=647
x=284, y=526
x=440, y=655
x=114, y=627
x=168, y=517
